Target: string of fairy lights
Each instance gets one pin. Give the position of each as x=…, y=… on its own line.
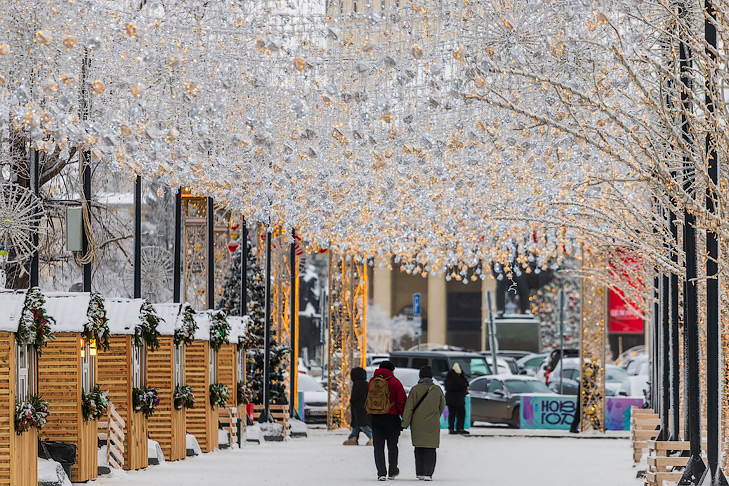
x=447, y=133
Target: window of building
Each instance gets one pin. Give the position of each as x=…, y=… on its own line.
x=88, y=358
x=139, y=357
x=241, y=364
x=179, y=365
x=213, y=365
x=25, y=366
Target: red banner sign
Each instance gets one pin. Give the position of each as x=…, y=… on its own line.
x=624, y=318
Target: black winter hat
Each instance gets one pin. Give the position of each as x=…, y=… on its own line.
x=426, y=372
x=358, y=374
x=387, y=365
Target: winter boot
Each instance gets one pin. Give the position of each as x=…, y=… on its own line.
x=351, y=441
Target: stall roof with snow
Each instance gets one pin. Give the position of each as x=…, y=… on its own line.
x=123, y=314
x=169, y=315
x=203, y=321
x=11, y=303
x=69, y=309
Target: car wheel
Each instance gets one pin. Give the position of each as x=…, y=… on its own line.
x=515, y=422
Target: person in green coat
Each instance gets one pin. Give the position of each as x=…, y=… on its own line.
x=423, y=409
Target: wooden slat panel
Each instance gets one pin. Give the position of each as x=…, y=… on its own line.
x=227, y=371
x=197, y=375
x=115, y=375
x=161, y=375
x=7, y=407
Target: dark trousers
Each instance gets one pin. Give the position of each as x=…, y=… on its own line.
x=424, y=461
x=577, y=417
x=386, y=430
x=456, y=417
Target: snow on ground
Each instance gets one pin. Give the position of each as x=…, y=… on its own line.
x=322, y=460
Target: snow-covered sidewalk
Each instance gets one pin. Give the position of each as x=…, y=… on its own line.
x=321, y=459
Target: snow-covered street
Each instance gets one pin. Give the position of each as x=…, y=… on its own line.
x=321, y=459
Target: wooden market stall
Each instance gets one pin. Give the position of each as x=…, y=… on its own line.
x=122, y=368
x=165, y=372
x=67, y=378
x=201, y=373
x=18, y=452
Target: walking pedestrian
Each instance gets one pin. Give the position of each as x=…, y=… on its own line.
x=423, y=409
x=456, y=385
x=386, y=403
x=358, y=414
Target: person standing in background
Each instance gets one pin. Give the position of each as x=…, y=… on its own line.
x=456, y=385
x=423, y=409
x=358, y=414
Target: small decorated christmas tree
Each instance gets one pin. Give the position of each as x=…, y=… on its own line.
x=253, y=341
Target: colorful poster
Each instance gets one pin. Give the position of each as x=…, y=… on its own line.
x=547, y=411
x=617, y=412
x=556, y=412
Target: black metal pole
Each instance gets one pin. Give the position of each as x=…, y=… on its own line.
x=655, y=339
x=695, y=467
x=267, y=332
x=177, y=271
x=138, y=237
x=713, y=475
x=294, y=309
x=675, y=367
x=35, y=187
x=664, y=348
x=86, y=156
x=244, y=268
x=210, y=240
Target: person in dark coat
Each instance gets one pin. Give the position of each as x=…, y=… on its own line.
x=423, y=409
x=456, y=386
x=359, y=420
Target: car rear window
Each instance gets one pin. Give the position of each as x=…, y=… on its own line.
x=401, y=362
x=526, y=386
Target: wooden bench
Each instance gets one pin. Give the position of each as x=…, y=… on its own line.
x=228, y=421
x=644, y=424
x=112, y=431
x=280, y=415
x=661, y=466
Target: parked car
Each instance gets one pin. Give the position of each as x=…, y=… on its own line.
x=374, y=359
x=497, y=398
x=530, y=363
x=552, y=361
x=472, y=364
x=569, y=369
x=512, y=353
x=316, y=399
x=636, y=385
x=633, y=366
x=505, y=366
x=408, y=376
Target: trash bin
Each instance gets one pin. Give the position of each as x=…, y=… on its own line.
x=61, y=452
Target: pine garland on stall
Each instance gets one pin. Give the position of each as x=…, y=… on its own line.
x=35, y=323
x=219, y=330
x=219, y=394
x=146, y=330
x=184, y=398
x=94, y=404
x=97, y=326
x=31, y=413
x=186, y=332
x=253, y=339
x=145, y=400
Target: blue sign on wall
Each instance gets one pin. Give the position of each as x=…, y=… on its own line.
x=416, y=304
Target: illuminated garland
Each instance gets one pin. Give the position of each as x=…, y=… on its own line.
x=97, y=325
